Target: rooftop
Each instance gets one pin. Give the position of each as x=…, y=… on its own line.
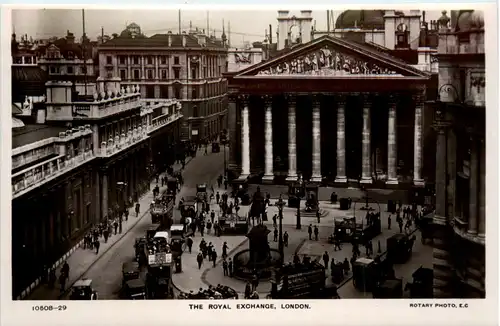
x=33, y=133
x=27, y=81
x=161, y=40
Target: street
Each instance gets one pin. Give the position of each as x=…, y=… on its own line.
x=106, y=272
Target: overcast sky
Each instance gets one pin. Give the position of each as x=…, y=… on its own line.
x=245, y=25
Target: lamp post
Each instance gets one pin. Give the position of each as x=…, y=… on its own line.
x=299, y=192
x=280, y=204
x=121, y=206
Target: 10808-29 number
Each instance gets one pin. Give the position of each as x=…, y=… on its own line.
x=49, y=308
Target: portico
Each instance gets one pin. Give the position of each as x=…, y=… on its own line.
x=329, y=109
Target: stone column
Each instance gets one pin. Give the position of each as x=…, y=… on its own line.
x=473, y=183
x=392, y=155
x=482, y=190
x=316, y=141
x=341, y=176
x=268, y=130
x=417, y=147
x=442, y=235
x=366, y=174
x=292, y=140
x=245, y=140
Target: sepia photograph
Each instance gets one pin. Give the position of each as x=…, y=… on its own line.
x=279, y=154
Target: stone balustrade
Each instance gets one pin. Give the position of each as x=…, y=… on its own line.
x=122, y=142
x=106, y=107
x=163, y=120
x=37, y=175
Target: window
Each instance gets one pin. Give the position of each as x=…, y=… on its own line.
x=137, y=74
x=194, y=93
x=176, y=73
x=123, y=59
x=150, y=91
x=123, y=74
x=193, y=73
x=84, y=70
x=149, y=60
x=136, y=60
x=163, y=60
x=109, y=60
x=176, y=60
x=71, y=55
x=109, y=74
x=195, y=111
x=70, y=70
x=177, y=92
x=164, y=74
x=150, y=74
x=54, y=70
x=27, y=60
x=163, y=91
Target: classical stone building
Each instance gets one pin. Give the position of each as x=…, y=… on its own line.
x=460, y=113
x=333, y=110
x=187, y=67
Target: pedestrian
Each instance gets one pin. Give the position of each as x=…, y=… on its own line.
x=275, y=216
x=285, y=239
x=318, y=215
x=217, y=197
x=346, y=266
x=97, y=244
x=189, y=242
x=202, y=228
x=400, y=226
x=332, y=264
x=224, y=250
x=137, y=209
x=389, y=220
x=225, y=183
x=126, y=214
x=199, y=259
x=106, y=235
x=209, y=226
x=248, y=290
x=337, y=244
x=65, y=270
x=310, y=231
x=214, y=256
x=52, y=278
x=275, y=234
x=326, y=259
x=62, y=282
x=224, y=267
x=316, y=232
x=230, y=267
x=120, y=227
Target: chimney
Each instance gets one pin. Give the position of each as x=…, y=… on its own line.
x=183, y=39
x=169, y=38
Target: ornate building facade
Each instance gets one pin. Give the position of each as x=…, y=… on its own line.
x=76, y=162
x=374, y=102
x=187, y=67
x=460, y=113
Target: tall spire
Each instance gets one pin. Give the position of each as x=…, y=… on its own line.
x=223, y=36
x=229, y=34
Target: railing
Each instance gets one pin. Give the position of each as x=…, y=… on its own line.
x=37, y=175
x=122, y=142
x=96, y=110
x=33, y=155
x=163, y=120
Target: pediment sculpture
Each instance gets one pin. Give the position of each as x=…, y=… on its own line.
x=325, y=62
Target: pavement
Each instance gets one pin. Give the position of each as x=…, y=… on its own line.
x=83, y=259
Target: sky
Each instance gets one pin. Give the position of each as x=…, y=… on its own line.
x=245, y=25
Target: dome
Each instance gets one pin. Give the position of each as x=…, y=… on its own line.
x=367, y=19
x=469, y=20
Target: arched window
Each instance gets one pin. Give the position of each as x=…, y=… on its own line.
x=402, y=34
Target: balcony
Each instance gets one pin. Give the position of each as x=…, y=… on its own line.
x=163, y=120
x=122, y=142
x=104, y=105
x=35, y=176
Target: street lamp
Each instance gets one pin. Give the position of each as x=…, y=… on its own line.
x=121, y=207
x=280, y=204
x=299, y=192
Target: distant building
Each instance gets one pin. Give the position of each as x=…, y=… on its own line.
x=65, y=59
x=23, y=52
x=187, y=67
x=238, y=59
x=460, y=114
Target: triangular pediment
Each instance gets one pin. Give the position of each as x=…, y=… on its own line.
x=331, y=56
